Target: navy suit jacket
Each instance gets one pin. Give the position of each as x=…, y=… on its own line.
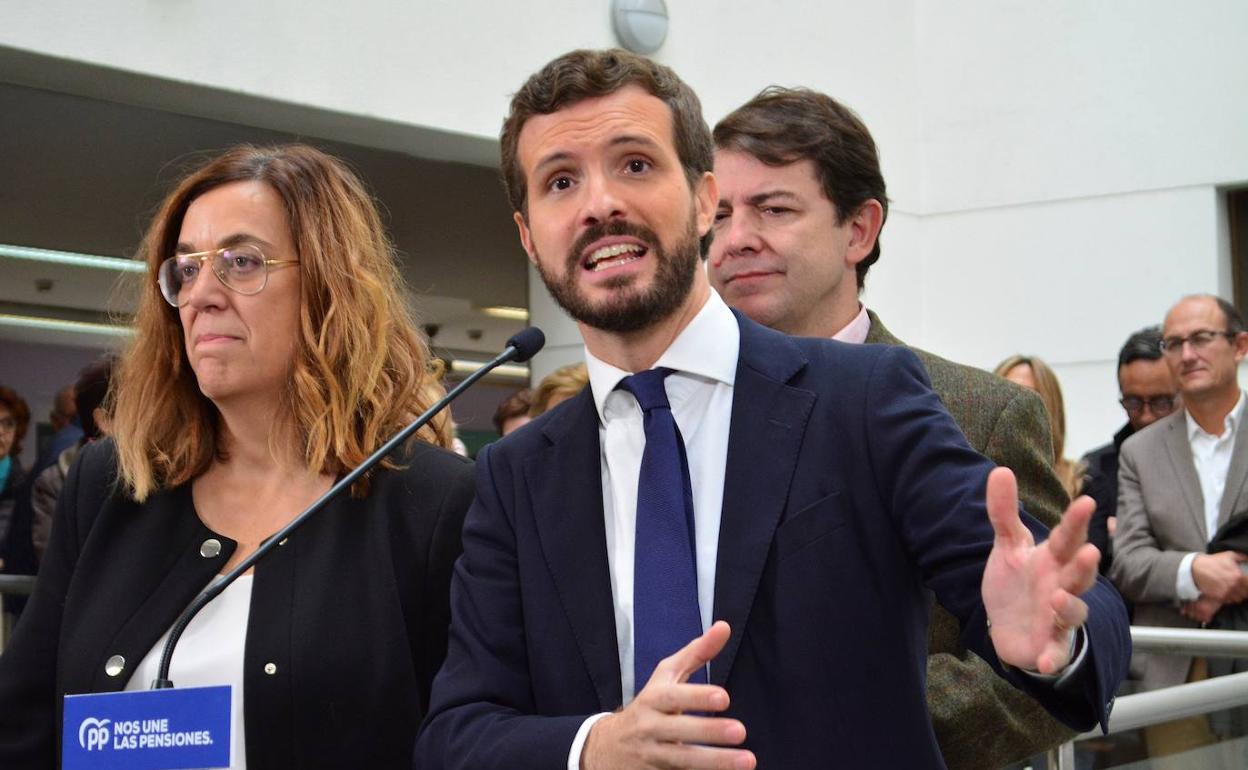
x=848, y=490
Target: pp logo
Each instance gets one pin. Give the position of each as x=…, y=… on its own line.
x=93, y=734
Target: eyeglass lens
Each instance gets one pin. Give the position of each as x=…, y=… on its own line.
x=242, y=269
x=1199, y=340
x=1159, y=405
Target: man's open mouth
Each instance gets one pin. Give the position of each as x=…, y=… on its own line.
x=613, y=256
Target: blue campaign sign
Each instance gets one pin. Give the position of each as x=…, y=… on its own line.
x=147, y=730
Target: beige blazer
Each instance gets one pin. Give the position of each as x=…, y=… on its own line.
x=1161, y=519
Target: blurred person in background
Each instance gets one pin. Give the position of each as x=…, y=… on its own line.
x=557, y=387
x=1034, y=374
x=513, y=413
x=66, y=427
x=89, y=393
x=1148, y=393
x=273, y=353
x=14, y=421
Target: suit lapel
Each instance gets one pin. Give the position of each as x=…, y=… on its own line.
x=1236, y=475
x=566, y=484
x=1184, y=465
x=768, y=421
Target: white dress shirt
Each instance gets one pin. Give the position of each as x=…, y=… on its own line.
x=1212, y=456
x=704, y=357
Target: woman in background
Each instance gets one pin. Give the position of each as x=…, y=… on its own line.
x=1034, y=374
x=273, y=352
x=89, y=393
x=557, y=387
x=14, y=421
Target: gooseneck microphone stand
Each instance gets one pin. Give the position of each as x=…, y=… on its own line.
x=519, y=348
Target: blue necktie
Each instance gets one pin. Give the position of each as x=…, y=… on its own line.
x=665, y=578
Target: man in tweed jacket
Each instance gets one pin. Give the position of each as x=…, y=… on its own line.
x=802, y=201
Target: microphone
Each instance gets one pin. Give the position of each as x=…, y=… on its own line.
x=521, y=347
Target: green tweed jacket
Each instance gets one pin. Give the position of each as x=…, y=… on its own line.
x=982, y=722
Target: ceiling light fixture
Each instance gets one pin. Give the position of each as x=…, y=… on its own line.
x=514, y=372
x=641, y=25
x=506, y=312
x=73, y=259
x=61, y=325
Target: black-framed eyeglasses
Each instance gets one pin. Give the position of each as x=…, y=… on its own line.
x=1199, y=340
x=243, y=269
x=1158, y=405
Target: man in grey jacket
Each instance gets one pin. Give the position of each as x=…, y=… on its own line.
x=1179, y=480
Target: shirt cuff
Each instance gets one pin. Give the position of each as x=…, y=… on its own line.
x=578, y=743
x=1079, y=653
x=1185, y=584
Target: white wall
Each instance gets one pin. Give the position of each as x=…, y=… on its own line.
x=1055, y=168
x=1072, y=157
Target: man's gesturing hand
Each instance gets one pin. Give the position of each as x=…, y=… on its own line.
x=654, y=732
x=1031, y=592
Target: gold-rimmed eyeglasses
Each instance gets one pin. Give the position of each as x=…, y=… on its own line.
x=243, y=269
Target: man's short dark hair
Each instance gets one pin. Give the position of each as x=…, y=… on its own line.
x=584, y=74
x=1234, y=321
x=1144, y=345
x=787, y=125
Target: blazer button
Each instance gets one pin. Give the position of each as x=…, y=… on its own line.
x=211, y=548
x=115, y=665
x=270, y=668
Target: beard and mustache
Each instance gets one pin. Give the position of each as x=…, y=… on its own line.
x=630, y=308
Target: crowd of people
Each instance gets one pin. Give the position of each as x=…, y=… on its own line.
x=712, y=544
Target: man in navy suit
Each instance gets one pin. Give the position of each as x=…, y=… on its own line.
x=824, y=486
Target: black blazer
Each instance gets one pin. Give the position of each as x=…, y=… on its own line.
x=848, y=488
x=352, y=613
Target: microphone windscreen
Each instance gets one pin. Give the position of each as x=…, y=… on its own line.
x=527, y=342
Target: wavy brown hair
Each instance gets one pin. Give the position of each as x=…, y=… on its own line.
x=362, y=368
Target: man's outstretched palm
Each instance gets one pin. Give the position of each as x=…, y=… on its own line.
x=1031, y=592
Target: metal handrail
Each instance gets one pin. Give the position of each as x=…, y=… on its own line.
x=17, y=585
x=1184, y=700
x=1132, y=712
x=1206, y=642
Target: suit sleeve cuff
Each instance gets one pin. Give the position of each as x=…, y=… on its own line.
x=1079, y=654
x=578, y=743
x=1184, y=584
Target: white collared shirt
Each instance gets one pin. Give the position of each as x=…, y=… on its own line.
x=855, y=332
x=1212, y=457
x=704, y=357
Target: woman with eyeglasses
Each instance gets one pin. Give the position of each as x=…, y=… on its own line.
x=273, y=352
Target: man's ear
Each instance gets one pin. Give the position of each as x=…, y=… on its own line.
x=1241, y=346
x=526, y=237
x=864, y=229
x=706, y=201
